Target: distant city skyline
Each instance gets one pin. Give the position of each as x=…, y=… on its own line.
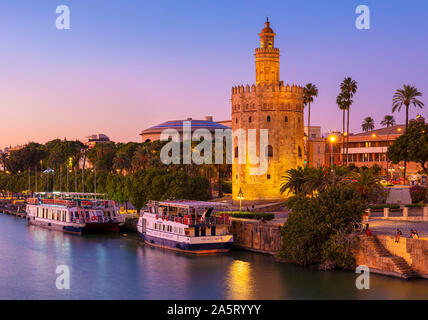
x=127, y=65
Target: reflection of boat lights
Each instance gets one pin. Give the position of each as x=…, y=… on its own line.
x=239, y=280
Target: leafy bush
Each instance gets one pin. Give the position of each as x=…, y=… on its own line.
x=380, y=207
x=227, y=186
x=319, y=230
x=415, y=205
x=418, y=194
x=249, y=215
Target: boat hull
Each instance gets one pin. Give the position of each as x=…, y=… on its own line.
x=77, y=228
x=194, y=248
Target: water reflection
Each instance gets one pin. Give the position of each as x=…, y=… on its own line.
x=239, y=278
x=121, y=267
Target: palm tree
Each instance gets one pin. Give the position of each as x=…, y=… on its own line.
x=368, y=124
x=121, y=161
x=406, y=96
x=342, y=102
x=309, y=92
x=141, y=157
x=349, y=88
x=388, y=121
x=294, y=180
x=3, y=156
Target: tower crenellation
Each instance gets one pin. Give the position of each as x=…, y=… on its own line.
x=268, y=104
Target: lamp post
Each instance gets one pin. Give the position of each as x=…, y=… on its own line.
x=240, y=197
x=332, y=139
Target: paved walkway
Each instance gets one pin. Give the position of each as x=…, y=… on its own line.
x=390, y=227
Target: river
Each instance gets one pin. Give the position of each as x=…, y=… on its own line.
x=120, y=266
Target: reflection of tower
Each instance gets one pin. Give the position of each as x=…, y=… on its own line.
x=269, y=104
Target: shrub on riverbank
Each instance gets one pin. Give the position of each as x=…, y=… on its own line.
x=418, y=194
x=318, y=231
x=380, y=207
x=249, y=215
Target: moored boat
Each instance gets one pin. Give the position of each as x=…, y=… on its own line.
x=186, y=226
x=73, y=212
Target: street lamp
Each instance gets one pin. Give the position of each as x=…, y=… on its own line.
x=332, y=139
x=240, y=197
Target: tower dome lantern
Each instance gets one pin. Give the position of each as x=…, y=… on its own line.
x=267, y=36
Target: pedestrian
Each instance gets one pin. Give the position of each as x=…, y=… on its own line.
x=415, y=234
x=398, y=235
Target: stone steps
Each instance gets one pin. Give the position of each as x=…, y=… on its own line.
x=398, y=262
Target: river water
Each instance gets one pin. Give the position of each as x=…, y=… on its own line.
x=120, y=266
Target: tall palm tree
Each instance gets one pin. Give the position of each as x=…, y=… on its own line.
x=3, y=156
x=405, y=97
x=349, y=88
x=309, y=92
x=388, y=121
x=368, y=124
x=342, y=102
x=121, y=162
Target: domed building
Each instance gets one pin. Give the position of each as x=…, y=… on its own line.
x=154, y=133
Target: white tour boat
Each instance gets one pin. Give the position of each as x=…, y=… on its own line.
x=186, y=226
x=73, y=212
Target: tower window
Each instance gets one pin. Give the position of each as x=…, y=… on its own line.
x=269, y=151
x=268, y=118
x=249, y=119
x=286, y=119
x=299, y=152
x=268, y=176
x=236, y=120
x=236, y=152
x=270, y=44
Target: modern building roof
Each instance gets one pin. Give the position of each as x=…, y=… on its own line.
x=178, y=125
x=398, y=129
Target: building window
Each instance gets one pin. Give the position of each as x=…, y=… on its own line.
x=268, y=118
x=268, y=176
x=236, y=120
x=299, y=152
x=236, y=152
x=269, y=151
x=286, y=119
x=249, y=119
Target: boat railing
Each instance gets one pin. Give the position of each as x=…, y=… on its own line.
x=192, y=220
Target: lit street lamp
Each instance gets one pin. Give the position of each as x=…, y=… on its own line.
x=240, y=197
x=332, y=139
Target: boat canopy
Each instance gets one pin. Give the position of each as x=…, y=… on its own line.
x=187, y=204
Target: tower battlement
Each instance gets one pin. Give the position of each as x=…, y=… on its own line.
x=266, y=87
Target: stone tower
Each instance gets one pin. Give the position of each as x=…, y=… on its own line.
x=271, y=105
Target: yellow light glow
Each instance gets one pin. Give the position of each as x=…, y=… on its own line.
x=374, y=135
x=239, y=281
x=332, y=138
x=399, y=129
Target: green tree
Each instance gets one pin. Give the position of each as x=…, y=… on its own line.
x=411, y=145
x=309, y=92
x=368, y=124
x=388, y=121
x=406, y=97
x=318, y=231
x=348, y=88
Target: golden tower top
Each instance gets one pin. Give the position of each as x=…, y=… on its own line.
x=267, y=57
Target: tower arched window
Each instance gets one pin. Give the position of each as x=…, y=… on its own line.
x=236, y=152
x=286, y=119
x=249, y=119
x=236, y=120
x=269, y=151
x=299, y=152
x=268, y=119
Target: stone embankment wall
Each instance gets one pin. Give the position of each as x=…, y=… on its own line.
x=407, y=258
x=256, y=236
